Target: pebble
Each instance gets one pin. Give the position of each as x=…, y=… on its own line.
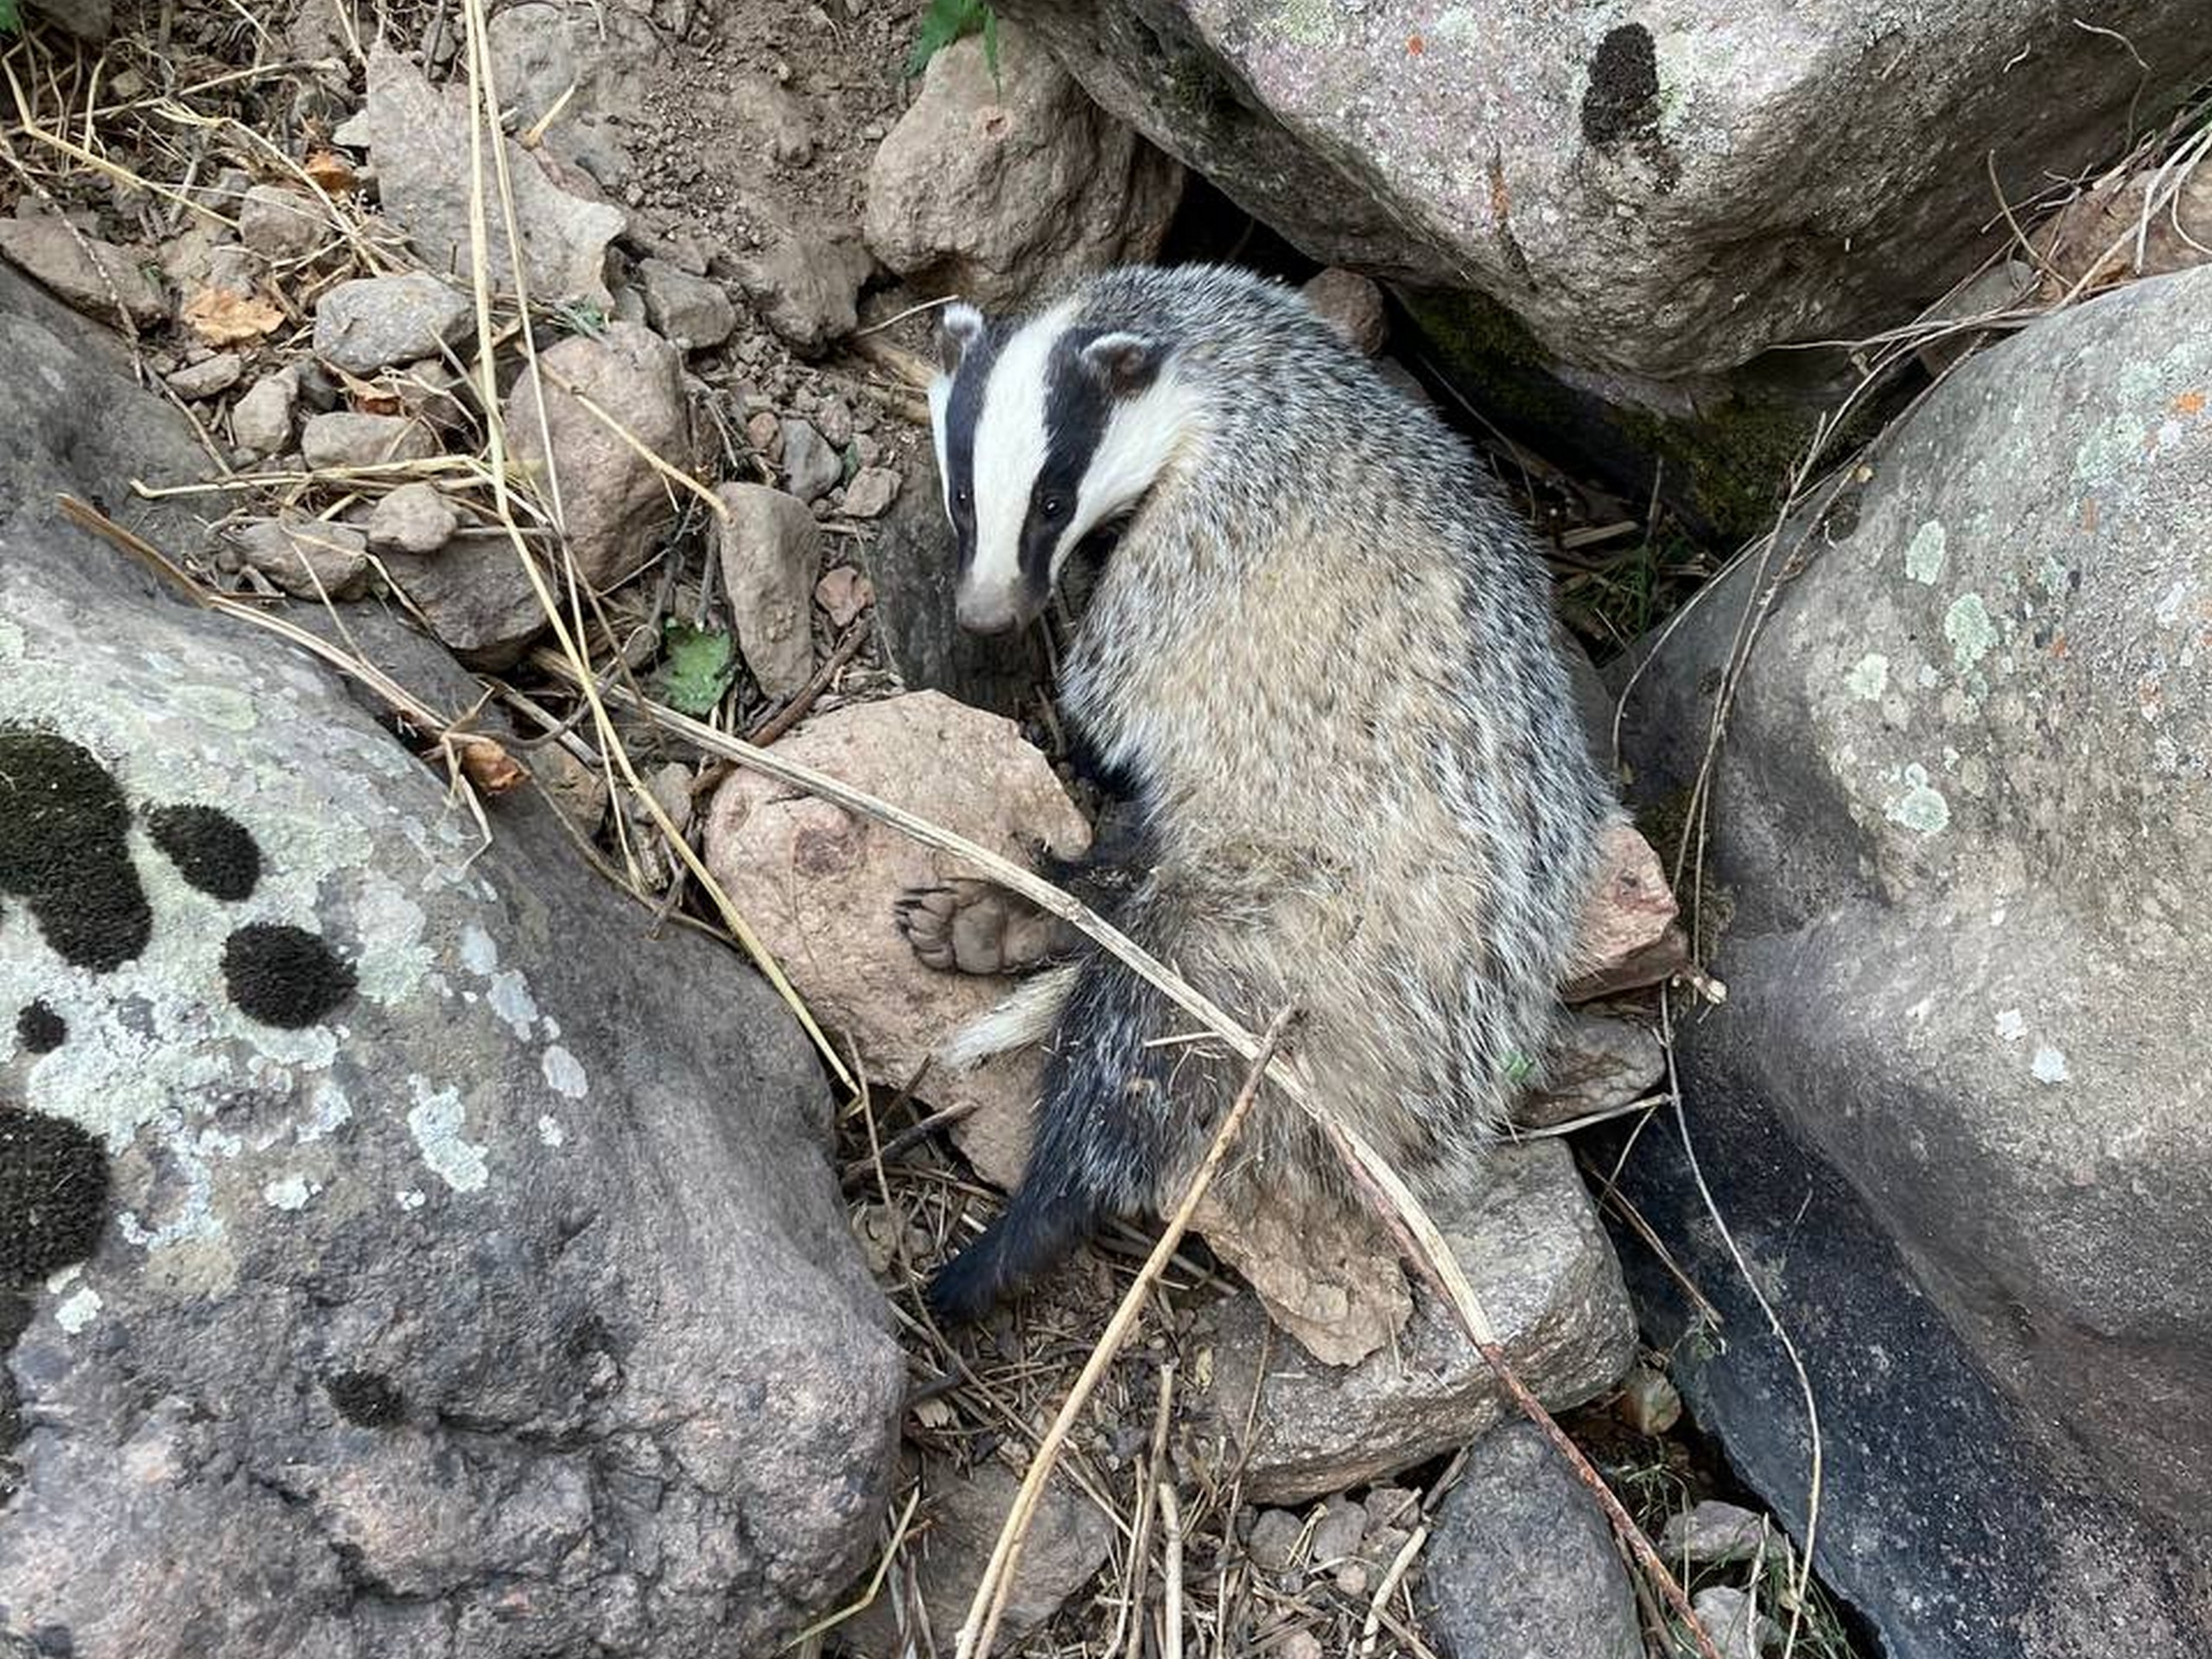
x=281, y=224
x=844, y=595
x=833, y=418
x=1337, y=1534
x=771, y=551
x=1352, y=305
x=1300, y=1644
x=871, y=492
x=373, y=323
x=45, y=247
x=1650, y=1403
x=691, y=311
x=1734, y=1622
x=307, y=558
x=414, y=519
x=261, y=420
x=344, y=439
x=1273, y=1543
x=811, y=467
x=765, y=432
x=207, y=377
x=1711, y=1532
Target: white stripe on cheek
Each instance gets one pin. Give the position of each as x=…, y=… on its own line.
x=940, y=397
x=1010, y=448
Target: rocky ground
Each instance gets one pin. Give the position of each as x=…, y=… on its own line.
x=662, y=453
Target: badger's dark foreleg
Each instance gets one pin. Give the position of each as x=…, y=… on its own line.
x=1106, y=1130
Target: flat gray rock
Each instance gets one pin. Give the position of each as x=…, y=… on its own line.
x=1956, y=1095
x=373, y=323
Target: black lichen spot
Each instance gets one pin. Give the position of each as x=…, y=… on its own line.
x=367, y=1398
x=1623, y=101
x=210, y=849
x=40, y=1029
x=284, y=975
x=64, y=851
x=52, y=1195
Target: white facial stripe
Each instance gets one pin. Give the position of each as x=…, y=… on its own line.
x=1142, y=436
x=940, y=396
x=1010, y=449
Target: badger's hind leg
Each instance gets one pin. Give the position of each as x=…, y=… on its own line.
x=967, y=926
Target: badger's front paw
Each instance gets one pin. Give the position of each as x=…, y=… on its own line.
x=973, y=927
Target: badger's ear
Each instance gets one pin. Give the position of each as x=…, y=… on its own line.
x=1124, y=363
x=958, y=326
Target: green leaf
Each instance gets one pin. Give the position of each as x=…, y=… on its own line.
x=702, y=663
x=10, y=20
x=991, y=45
x=944, y=22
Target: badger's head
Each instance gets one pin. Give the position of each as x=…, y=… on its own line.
x=1047, y=433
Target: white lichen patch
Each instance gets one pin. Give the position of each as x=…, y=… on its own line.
x=413, y=1198
x=1923, y=554
x=1922, y=808
x=550, y=1132
x=512, y=1002
x=391, y=960
x=436, y=1122
x=480, y=952
x=2167, y=612
x=2012, y=1025
x=78, y=1309
x=1869, y=678
x=1967, y=625
x=2049, y=1064
x=288, y=1192
x=564, y=1073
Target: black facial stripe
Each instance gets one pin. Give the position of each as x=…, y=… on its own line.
x=961, y=411
x=1076, y=409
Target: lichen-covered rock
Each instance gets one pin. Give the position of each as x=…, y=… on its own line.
x=430, y=1259
x=1656, y=192
x=374, y=321
x=771, y=549
x=997, y=189
x=1955, y=1101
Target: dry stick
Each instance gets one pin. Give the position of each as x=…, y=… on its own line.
x=984, y=1613
x=1402, y=1210
x=1370, y=1629
x=1131, y=1617
x=1170, y=1541
x=483, y=109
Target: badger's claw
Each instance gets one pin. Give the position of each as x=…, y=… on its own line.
x=973, y=927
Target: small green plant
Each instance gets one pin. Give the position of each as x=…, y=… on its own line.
x=700, y=665
x=944, y=22
x=11, y=21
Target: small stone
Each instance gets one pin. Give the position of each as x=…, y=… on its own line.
x=1649, y=1403
x=207, y=377
x=413, y=518
x=806, y=287
x=871, y=492
x=692, y=311
x=811, y=468
x=766, y=432
x=307, y=558
x=1733, y=1619
x=318, y=389
x=342, y=439
x=770, y=548
x=1273, y=1543
x=579, y=790
x=833, y=418
x=281, y=224
x=844, y=595
x=868, y=450
x=1352, y=1578
x=1391, y=1506
x=1595, y=1065
x=1300, y=1644
x=1352, y=305
x=261, y=420
x=1337, y=1534
x=1711, y=1533
x=374, y=321
x=476, y=596
x=231, y=271
x=54, y=255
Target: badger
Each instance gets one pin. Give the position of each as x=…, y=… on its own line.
x=1318, y=666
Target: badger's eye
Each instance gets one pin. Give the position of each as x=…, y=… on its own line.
x=1052, y=506
x=960, y=495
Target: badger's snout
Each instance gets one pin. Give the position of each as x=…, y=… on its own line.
x=989, y=613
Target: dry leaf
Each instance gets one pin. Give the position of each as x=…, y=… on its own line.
x=2104, y=228
x=487, y=766
x=365, y=396
x=222, y=318
x=330, y=170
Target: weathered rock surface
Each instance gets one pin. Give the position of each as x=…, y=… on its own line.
x=770, y=548
x=811, y=467
x=1352, y=305
x=373, y=322
x=261, y=421
x=476, y=596
x=308, y=558
x=1521, y=1560
x=996, y=190
x=1597, y=1064
x=1628, y=195
x=1961, y=814
x=343, y=438
x=806, y=284
x=871, y=492
x=413, y=518
x=962, y=1512
x=281, y=224
x=470, y=1278
x=613, y=501
x=208, y=378
x=87, y=273
x=819, y=885
x=690, y=310
x=1529, y=1239
x=418, y=139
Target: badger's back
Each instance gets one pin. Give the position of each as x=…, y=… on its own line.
x=1322, y=648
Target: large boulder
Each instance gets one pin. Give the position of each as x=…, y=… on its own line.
x=1657, y=194
x=402, y=1247
x=997, y=184
x=1955, y=1106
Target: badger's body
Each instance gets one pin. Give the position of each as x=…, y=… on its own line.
x=1320, y=658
